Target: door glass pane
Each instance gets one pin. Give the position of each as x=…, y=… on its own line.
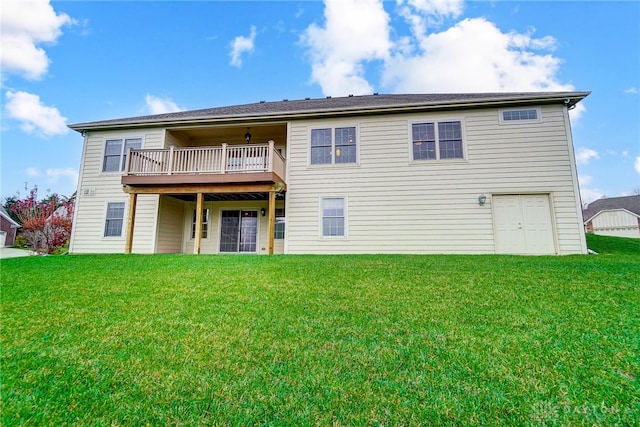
x=248, y=231
x=239, y=231
x=229, y=231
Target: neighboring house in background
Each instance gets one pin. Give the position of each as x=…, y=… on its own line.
x=613, y=216
x=419, y=173
x=8, y=228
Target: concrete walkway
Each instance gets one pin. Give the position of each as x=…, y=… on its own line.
x=13, y=252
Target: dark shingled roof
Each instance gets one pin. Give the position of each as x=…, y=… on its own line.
x=337, y=106
x=630, y=203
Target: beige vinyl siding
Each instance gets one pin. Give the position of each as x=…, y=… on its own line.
x=619, y=222
x=170, y=225
x=211, y=244
x=396, y=205
x=174, y=139
x=96, y=189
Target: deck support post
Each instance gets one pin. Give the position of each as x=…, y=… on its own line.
x=131, y=219
x=198, y=237
x=272, y=220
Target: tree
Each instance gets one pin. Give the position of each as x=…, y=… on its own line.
x=46, y=224
x=8, y=202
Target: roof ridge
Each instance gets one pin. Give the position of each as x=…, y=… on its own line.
x=350, y=104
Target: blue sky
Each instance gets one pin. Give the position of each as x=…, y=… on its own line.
x=66, y=62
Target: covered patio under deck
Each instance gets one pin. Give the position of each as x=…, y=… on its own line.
x=253, y=172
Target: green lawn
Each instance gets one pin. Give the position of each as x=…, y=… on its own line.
x=322, y=340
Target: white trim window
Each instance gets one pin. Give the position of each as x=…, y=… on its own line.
x=330, y=146
x=522, y=115
x=278, y=229
x=437, y=140
x=115, y=153
x=114, y=219
x=205, y=224
x=333, y=217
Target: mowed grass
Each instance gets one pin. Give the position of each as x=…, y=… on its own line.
x=322, y=340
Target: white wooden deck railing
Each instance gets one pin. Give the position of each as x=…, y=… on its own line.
x=202, y=160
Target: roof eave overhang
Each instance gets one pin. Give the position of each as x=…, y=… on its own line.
x=570, y=99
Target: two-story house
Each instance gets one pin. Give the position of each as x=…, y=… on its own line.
x=419, y=173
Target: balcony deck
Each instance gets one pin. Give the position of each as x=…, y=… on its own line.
x=258, y=165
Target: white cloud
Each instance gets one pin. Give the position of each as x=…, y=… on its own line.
x=474, y=55
x=35, y=116
x=436, y=7
x=241, y=45
x=585, y=179
x=423, y=13
x=157, y=105
x=588, y=195
x=24, y=25
x=339, y=50
x=584, y=155
x=636, y=164
x=32, y=172
x=55, y=174
x=632, y=89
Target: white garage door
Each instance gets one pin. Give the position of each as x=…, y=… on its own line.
x=522, y=224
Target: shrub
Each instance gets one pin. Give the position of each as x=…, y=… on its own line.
x=20, y=241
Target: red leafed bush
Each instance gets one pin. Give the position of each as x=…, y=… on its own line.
x=46, y=224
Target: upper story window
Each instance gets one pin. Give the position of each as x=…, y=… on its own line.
x=115, y=153
x=521, y=115
x=333, y=146
x=437, y=140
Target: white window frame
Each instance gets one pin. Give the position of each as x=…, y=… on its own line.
x=436, y=121
x=538, y=118
x=206, y=220
x=279, y=225
x=106, y=218
x=321, y=217
x=122, y=155
x=333, y=129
